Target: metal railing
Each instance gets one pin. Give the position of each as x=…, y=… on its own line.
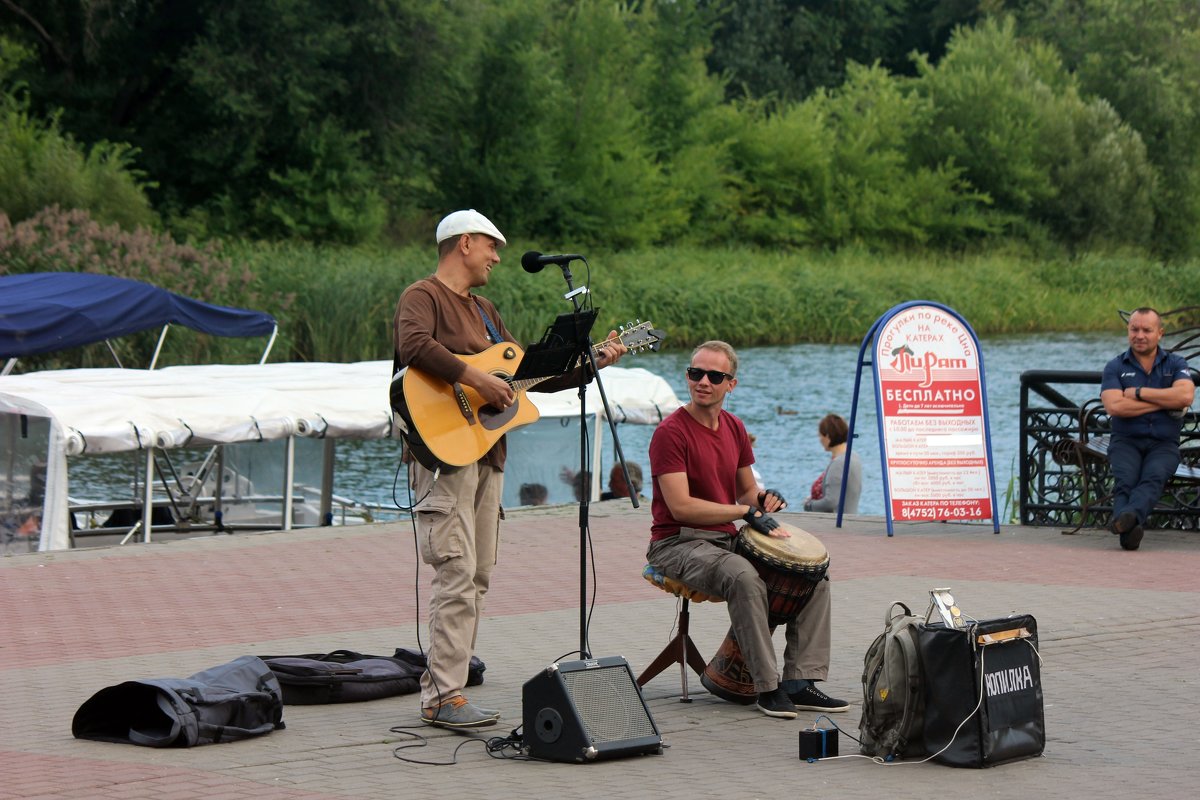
x=1063, y=482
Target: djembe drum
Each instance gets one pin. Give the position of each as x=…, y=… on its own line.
x=790, y=568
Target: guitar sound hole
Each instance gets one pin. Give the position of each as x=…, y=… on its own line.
x=492, y=418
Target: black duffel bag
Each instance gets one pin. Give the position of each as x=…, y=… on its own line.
x=223, y=704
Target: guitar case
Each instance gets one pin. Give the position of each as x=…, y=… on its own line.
x=344, y=676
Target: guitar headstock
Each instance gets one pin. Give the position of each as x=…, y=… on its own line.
x=640, y=336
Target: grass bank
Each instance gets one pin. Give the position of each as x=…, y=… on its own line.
x=340, y=301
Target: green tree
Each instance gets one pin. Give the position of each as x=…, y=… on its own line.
x=1143, y=58
x=790, y=49
x=503, y=103
x=782, y=156
x=842, y=168
x=685, y=121
x=1010, y=115
x=332, y=197
x=549, y=130
x=231, y=102
x=879, y=194
x=613, y=185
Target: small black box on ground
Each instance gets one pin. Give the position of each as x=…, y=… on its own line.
x=818, y=743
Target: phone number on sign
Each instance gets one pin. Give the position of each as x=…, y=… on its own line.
x=957, y=512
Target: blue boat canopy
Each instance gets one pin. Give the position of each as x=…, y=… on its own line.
x=42, y=312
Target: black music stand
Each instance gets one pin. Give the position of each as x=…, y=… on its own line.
x=557, y=351
x=565, y=344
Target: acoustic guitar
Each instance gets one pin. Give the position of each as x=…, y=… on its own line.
x=455, y=423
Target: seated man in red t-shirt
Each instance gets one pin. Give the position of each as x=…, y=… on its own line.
x=700, y=459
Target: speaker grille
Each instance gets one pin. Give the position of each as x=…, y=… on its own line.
x=609, y=704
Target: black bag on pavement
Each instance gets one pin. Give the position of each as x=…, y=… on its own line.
x=344, y=676
x=997, y=660
x=222, y=704
x=474, y=670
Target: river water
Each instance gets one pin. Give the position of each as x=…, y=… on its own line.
x=782, y=394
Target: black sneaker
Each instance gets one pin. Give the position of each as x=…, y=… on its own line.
x=1132, y=540
x=775, y=703
x=810, y=698
x=1124, y=524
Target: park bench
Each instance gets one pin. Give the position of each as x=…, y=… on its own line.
x=1088, y=448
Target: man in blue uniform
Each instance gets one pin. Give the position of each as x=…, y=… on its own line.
x=1145, y=391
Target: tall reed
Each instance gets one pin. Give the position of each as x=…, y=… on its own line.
x=343, y=299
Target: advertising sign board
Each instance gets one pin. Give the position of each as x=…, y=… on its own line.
x=935, y=444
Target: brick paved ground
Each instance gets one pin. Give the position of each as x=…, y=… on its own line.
x=1118, y=639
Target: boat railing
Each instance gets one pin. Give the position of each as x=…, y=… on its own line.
x=247, y=512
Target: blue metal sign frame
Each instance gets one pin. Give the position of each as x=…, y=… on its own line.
x=865, y=360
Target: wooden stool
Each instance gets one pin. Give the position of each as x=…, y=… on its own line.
x=681, y=649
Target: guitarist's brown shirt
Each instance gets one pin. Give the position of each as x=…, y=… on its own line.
x=433, y=323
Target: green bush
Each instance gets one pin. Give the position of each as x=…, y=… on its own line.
x=331, y=197
x=880, y=196
x=40, y=166
x=782, y=161
x=1107, y=186
x=1009, y=114
x=846, y=166
x=990, y=99
x=1143, y=58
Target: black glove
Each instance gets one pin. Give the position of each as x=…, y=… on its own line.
x=762, y=498
x=760, y=521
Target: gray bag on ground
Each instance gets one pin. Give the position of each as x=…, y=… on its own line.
x=223, y=704
x=893, y=711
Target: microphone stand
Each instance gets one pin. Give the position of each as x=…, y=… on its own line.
x=584, y=347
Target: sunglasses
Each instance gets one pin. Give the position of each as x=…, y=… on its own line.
x=715, y=377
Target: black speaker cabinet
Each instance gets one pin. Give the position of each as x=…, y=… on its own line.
x=587, y=710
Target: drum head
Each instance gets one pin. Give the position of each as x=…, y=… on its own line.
x=801, y=549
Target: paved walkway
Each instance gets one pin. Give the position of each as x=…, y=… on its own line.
x=1118, y=639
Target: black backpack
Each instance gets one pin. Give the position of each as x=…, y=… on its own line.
x=893, y=712
x=223, y=704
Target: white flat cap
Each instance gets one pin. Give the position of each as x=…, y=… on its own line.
x=467, y=221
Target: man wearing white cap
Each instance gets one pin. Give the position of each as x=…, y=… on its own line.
x=458, y=513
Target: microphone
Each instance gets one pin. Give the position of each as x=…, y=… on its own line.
x=533, y=261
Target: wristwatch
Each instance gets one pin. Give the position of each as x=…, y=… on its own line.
x=1137, y=393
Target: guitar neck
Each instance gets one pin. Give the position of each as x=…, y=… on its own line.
x=529, y=383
